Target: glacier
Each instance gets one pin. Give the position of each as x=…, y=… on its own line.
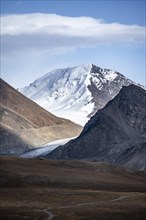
x=43, y=150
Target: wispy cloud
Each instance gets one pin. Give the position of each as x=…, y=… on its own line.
x=50, y=31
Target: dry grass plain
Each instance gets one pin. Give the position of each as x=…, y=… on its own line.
x=45, y=189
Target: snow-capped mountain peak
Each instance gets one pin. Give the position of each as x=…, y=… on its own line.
x=76, y=93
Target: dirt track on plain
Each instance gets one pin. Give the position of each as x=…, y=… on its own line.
x=43, y=189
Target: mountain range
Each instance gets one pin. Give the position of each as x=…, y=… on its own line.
x=24, y=124
x=115, y=134
x=76, y=93
x=113, y=105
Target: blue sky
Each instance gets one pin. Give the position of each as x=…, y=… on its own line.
x=108, y=33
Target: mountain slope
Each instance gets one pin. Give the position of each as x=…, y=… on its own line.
x=76, y=93
x=11, y=143
x=24, y=123
x=114, y=134
x=14, y=101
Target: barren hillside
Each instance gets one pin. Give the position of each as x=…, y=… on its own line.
x=32, y=124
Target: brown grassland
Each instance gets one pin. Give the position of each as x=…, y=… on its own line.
x=50, y=189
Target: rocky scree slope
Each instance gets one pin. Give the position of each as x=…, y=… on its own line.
x=115, y=134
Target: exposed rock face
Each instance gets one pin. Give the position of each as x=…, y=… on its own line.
x=25, y=124
x=114, y=134
x=105, y=85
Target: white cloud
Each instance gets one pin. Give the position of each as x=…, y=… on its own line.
x=50, y=31
x=32, y=44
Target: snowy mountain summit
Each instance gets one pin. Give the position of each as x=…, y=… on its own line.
x=76, y=93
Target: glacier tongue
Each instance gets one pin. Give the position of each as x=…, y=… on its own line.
x=41, y=151
x=76, y=92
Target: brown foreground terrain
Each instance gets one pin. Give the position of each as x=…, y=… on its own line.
x=51, y=189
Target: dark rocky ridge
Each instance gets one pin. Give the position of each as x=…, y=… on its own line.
x=118, y=128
